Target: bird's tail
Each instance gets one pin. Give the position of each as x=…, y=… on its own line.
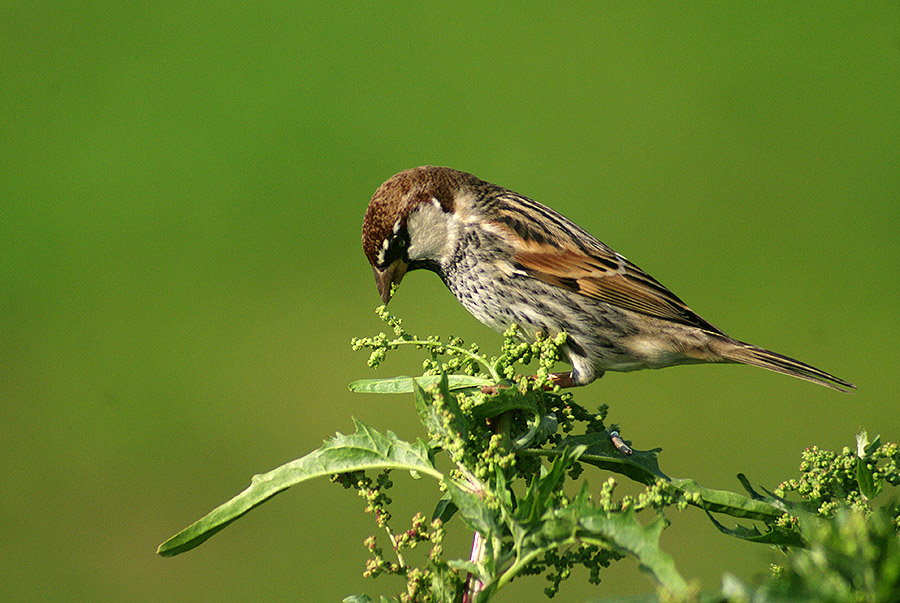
x=744, y=353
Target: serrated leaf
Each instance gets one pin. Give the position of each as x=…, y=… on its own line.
x=476, y=515
x=749, y=488
x=532, y=506
x=729, y=503
x=777, y=537
x=582, y=522
x=643, y=466
x=365, y=449
x=627, y=533
x=404, y=385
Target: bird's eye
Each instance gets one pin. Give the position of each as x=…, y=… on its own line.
x=393, y=248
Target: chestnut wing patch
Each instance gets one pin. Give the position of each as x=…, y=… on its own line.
x=610, y=279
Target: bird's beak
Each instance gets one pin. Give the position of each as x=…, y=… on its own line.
x=392, y=275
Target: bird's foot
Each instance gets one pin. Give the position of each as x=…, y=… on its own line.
x=563, y=380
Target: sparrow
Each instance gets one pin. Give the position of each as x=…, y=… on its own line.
x=509, y=259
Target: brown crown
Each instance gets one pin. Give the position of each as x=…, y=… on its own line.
x=401, y=193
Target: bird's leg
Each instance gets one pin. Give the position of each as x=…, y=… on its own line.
x=563, y=380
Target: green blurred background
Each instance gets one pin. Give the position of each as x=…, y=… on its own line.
x=181, y=193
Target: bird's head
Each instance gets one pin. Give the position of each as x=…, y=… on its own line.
x=411, y=223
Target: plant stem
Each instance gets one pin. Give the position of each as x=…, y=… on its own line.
x=473, y=585
x=463, y=351
x=390, y=534
x=516, y=567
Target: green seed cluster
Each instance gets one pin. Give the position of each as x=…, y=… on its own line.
x=419, y=580
x=453, y=357
x=375, y=492
x=559, y=564
x=830, y=479
x=458, y=358
x=656, y=496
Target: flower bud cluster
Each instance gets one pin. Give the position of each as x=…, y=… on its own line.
x=829, y=479
x=559, y=564
x=374, y=492
x=419, y=579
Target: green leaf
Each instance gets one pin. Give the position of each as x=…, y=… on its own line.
x=582, y=522
x=774, y=536
x=463, y=565
x=643, y=466
x=540, y=428
x=862, y=441
x=475, y=513
x=723, y=501
x=444, y=510
x=365, y=449
x=865, y=448
x=445, y=584
x=428, y=414
x=532, y=506
x=431, y=417
x=873, y=445
x=505, y=400
x=404, y=385
x=627, y=533
x=868, y=485
x=749, y=487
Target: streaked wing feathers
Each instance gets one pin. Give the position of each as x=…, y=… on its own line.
x=625, y=286
x=550, y=247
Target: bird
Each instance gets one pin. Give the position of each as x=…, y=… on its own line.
x=511, y=260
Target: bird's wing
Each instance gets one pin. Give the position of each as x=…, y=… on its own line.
x=626, y=286
x=552, y=249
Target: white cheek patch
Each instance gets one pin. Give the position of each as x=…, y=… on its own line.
x=432, y=232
